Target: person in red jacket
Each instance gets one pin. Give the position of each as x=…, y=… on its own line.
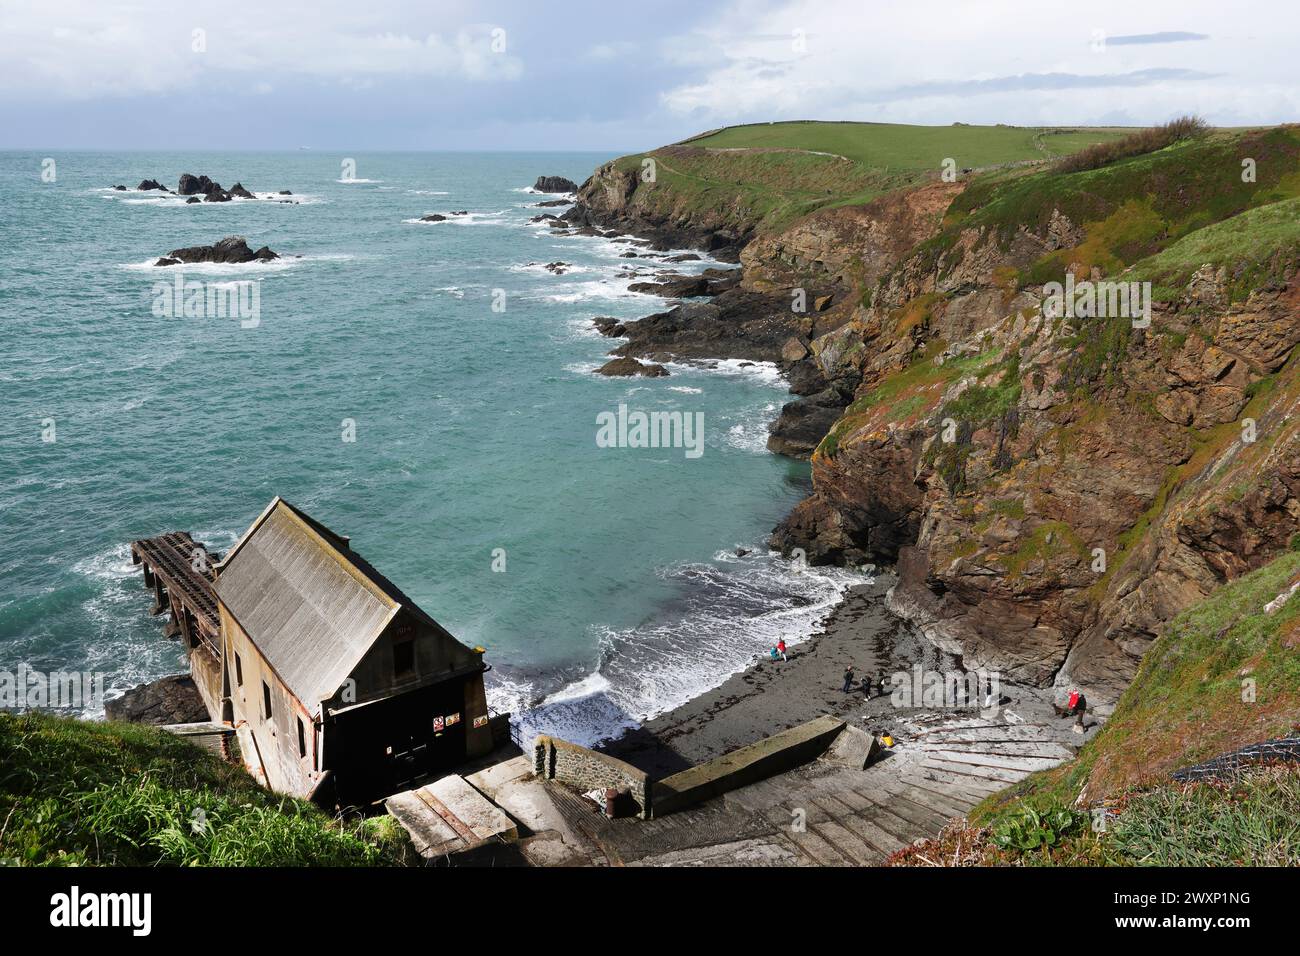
x=780, y=646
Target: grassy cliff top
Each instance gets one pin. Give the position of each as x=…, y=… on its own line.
x=768, y=175
x=896, y=147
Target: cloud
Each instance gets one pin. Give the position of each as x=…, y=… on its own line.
x=1142, y=39
x=1044, y=81
x=1008, y=61
x=100, y=50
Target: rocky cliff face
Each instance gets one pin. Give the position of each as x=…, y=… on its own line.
x=1053, y=490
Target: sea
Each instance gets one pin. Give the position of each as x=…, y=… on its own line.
x=425, y=388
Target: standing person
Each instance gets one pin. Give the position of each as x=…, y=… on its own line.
x=880, y=680
x=848, y=678
x=780, y=646
x=866, y=686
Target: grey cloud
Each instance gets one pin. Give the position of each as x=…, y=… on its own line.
x=1045, y=81
x=1169, y=36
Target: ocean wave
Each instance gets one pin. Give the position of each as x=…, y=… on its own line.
x=154, y=198
x=357, y=181
x=733, y=611
x=596, y=289
x=765, y=373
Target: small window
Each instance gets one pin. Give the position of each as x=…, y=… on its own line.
x=266, y=700
x=302, y=739
x=403, y=658
x=239, y=671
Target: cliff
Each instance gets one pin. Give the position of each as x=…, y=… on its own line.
x=1053, y=489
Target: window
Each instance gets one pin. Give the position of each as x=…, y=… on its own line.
x=302, y=739
x=403, y=658
x=239, y=671
x=266, y=700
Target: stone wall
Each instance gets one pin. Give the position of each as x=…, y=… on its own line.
x=738, y=768
x=585, y=769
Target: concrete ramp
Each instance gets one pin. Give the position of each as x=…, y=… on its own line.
x=449, y=816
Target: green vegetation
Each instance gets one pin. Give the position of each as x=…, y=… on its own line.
x=1135, y=207
x=1135, y=144
x=1252, y=819
x=1258, y=247
x=893, y=146
x=905, y=395
x=74, y=793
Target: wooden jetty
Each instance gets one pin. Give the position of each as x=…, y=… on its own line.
x=181, y=573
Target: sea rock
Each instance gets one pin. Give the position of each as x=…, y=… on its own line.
x=120, y=189
x=191, y=185
x=146, y=184
x=804, y=422
x=674, y=287
x=232, y=249
x=630, y=366
x=548, y=203
x=558, y=268
x=433, y=217
x=239, y=191
x=171, y=700
x=611, y=327
x=555, y=184
x=193, y=199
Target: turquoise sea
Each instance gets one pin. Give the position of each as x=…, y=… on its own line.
x=475, y=429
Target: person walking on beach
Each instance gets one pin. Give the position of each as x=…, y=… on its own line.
x=866, y=687
x=780, y=646
x=848, y=678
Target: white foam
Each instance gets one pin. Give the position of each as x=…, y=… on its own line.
x=764, y=373
x=244, y=270
x=738, y=608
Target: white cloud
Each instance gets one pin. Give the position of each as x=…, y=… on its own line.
x=1016, y=61
x=83, y=50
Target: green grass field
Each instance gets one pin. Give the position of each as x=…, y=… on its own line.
x=894, y=147
x=768, y=175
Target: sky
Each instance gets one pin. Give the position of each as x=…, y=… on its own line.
x=621, y=76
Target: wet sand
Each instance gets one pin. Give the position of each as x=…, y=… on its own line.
x=774, y=695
